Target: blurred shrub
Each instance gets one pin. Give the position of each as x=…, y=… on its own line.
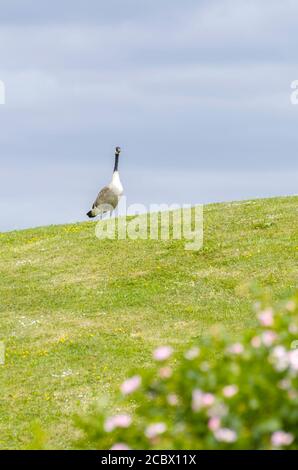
x=245, y=397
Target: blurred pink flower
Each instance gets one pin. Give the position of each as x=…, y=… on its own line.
x=192, y=354
x=225, y=435
x=214, y=423
x=230, y=390
x=117, y=421
x=208, y=399
x=130, y=385
x=236, y=348
x=280, y=358
x=172, y=399
x=165, y=372
x=162, y=353
x=196, y=400
x=293, y=359
x=266, y=317
x=279, y=352
x=155, y=429
x=201, y=400
x=281, y=438
x=268, y=338
x=256, y=342
x=120, y=446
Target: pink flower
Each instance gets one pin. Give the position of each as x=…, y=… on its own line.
x=281, y=438
x=162, y=353
x=172, y=399
x=120, y=446
x=236, y=348
x=192, y=354
x=117, y=421
x=293, y=359
x=201, y=400
x=266, y=317
x=280, y=358
x=208, y=399
x=268, y=338
x=230, y=390
x=196, y=400
x=214, y=423
x=154, y=430
x=279, y=352
x=225, y=435
x=130, y=385
x=165, y=372
x=256, y=342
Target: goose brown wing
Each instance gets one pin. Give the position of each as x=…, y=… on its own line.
x=106, y=197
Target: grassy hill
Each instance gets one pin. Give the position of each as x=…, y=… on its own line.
x=77, y=313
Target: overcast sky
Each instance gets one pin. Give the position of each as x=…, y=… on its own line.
x=196, y=92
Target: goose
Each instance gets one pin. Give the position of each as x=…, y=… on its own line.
x=108, y=198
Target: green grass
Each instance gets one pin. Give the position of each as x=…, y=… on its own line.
x=77, y=314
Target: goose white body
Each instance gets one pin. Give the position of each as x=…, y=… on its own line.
x=108, y=198
x=116, y=185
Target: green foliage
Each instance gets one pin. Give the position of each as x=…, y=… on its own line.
x=245, y=397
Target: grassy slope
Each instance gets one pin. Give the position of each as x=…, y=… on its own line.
x=70, y=302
